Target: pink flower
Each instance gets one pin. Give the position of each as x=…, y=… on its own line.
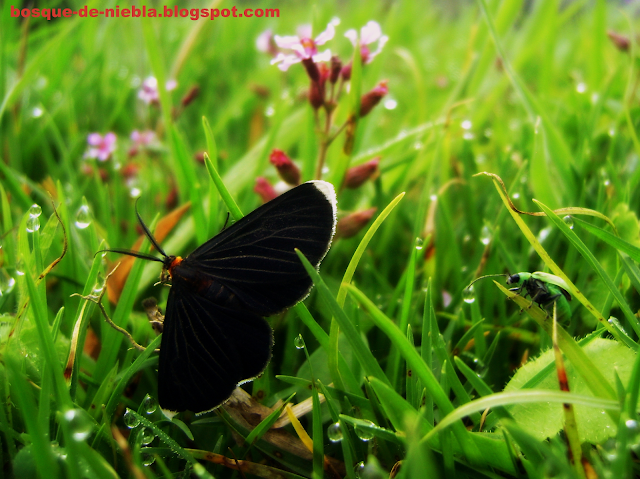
x=149, y=91
x=303, y=46
x=101, y=147
x=141, y=139
x=265, y=43
x=369, y=34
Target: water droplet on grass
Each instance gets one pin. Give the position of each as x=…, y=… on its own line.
x=469, y=295
x=83, y=217
x=35, y=211
x=568, y=220
x=334, y=432
x=150, y=404
x=147, y=436
x=80, y=423
x=299, y=342
x=130, y=420
x=364, y=433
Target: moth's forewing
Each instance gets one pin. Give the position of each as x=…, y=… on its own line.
x=255, y=257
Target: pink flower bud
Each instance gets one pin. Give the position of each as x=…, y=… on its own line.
x=316, y=94
x=357, y=175
x=130, y=170
x=346, y=72
x=336, y=68
x=373, y=97
x=620, y=41
x=312, y=69
x=191, y=95
x=287, y=169
x=264, y=189
x=199, y=157
x=351, y=224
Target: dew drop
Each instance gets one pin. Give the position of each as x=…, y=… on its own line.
x=614, y=321
x=485, y=235
x=419, y=243
x=130, y=420
x=365, y=433
x=299, y=342
x=390, y=104
x=469, y=295
x=334, y=432
x=149, y=404
x=135, y=192
x=568, y=220
x=466, y=125
x=147, y=458
x=147, y=436
x=99, y=286
x=6, y=282
x=632, y=425
x=581, y=87
x=467, y=135
x=83, y=217
x=544, y=233
x=33, y=224
x=20, y=268
x=80, y=423
x=359, y=470
x=269, y=111
x=35, y=211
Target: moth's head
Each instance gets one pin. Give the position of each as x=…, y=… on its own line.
x=168, y=265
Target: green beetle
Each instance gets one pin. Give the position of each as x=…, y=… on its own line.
x=543, y=288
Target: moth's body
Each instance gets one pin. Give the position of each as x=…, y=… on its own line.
x=180, y=269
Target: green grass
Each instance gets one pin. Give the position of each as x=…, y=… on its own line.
x=412, y=366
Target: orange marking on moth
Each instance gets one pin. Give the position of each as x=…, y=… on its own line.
x=174, y=263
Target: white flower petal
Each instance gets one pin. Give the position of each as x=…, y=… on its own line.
x=304, y=31
x=352, y=35
x=370, y=33
x=300, y=50
x=285, y=61
x=262, y=42
x=327, y=35
x=286, y=42
x=325, y=56
x=381, y=44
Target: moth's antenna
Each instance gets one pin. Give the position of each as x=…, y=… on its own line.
x=148, y=233
x=129, y=252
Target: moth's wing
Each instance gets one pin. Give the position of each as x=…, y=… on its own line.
x=255, y=257
x=207, y=350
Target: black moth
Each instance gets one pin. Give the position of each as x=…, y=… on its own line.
x=215, y=336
